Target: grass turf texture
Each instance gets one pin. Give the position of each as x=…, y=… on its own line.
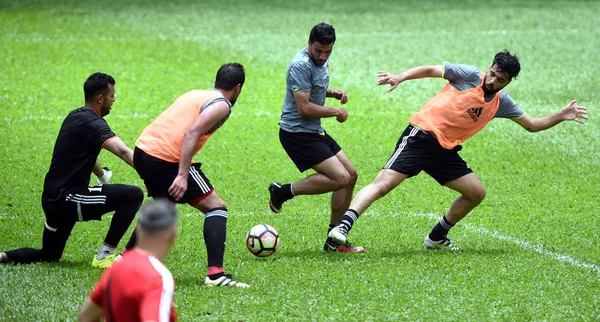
x=529, y=251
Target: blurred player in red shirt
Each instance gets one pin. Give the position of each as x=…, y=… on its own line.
x=139, y=287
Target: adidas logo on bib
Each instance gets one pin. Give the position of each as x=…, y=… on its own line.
x=475, y=112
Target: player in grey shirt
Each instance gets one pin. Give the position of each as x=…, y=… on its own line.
x=306, y=142
x=431, y=141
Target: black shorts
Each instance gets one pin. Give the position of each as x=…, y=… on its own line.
x=418, y=150
x=158, y=176
x=308, y=149
x=89, y=203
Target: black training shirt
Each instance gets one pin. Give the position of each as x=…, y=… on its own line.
x=80, y=139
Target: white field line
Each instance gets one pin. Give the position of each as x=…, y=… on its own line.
x=522, y=243
x=492, y=233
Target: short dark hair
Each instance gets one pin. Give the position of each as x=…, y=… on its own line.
x=508, y=63
x=96, y=84
x=157, y=216
x=323, y=33
x=229, y=75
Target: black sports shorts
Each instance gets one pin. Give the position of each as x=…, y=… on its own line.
x=308, y=149
x=158, y=176
x=418, y=150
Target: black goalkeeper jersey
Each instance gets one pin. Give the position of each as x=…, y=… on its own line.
x=80, y=139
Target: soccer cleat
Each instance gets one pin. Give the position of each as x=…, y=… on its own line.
x=225, y=280
x=338, y=234
x=332, y=246
x=106, y=262
x=274, y=202
x=445, y=243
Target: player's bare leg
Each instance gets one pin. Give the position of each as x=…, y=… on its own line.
x=340, y=199
x=331, y=176
x=386, y=181
x=472, y=194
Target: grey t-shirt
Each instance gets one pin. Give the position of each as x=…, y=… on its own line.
x=304, y=75
x=464, y=77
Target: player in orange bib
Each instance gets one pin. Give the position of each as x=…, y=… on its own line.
x=163, y=159
x=431, y=142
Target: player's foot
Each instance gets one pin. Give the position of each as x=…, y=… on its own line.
x=445, y=243
x=225, y=280
x=339, y=233
x=106, y=262
x=274, y=202
x=332, y=246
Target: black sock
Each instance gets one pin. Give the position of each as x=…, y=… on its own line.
x=440, y=231
x=349, y=217
x=215, y=234
x=285, y=192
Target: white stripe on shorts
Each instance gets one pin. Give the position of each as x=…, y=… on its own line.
x=393, y=158
x=199, y=180
x=52, y=229
x=89, y=200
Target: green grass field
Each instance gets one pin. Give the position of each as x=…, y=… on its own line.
x=529, y=252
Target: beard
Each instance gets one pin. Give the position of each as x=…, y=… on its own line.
x=105, y=110
x=488, y=91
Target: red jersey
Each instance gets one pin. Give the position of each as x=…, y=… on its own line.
x=136, y=288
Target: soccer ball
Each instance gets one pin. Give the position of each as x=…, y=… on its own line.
x=262, y=240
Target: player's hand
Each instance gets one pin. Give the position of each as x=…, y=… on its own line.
x=340, y=95
x=105, y=178
x=342, y=115
x=179, y=187
x=387, y=78
x=572, y=112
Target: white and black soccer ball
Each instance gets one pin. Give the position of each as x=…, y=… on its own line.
x=262, y=240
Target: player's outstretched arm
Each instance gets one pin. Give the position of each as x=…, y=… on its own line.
x=571, y=112
x=118, y=148
x=204, y=122
x=414, y=73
